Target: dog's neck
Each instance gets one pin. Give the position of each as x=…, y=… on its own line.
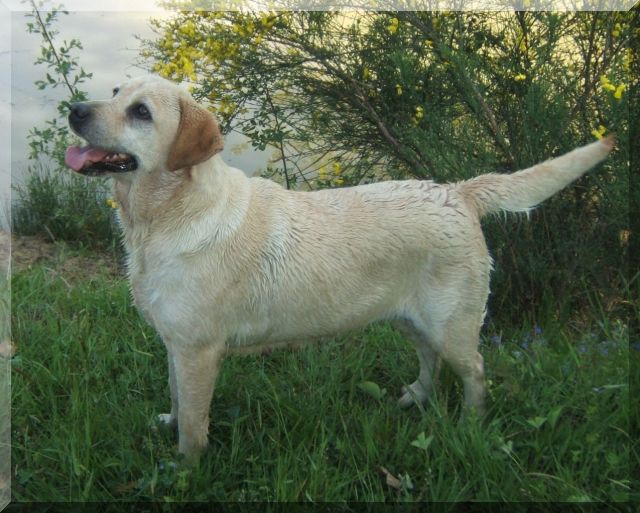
x=157, y=202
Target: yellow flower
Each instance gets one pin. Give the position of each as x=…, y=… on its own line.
x=338, y=181
x=419, y=112
x=520, y=77
x=398, y=89
x=606, y=83
x=616, y=31
x=188, y=29
x=618, y=94
x=322, y=173
x=393, y=26
x=111, y=203
x=267, y=20
x=599, y=132
x=366, y=74
x=337, y=168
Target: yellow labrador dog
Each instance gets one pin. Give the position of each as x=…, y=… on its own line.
x=219, y=262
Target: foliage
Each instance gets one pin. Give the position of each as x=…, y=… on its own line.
x=52, y=201
x=347, y=98
x=63, y=71
x=61, y=206
x=90, y=376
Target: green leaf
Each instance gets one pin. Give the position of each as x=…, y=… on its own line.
x=422, y=442
x=372, y=389
x=536, y=422
x=554, y=415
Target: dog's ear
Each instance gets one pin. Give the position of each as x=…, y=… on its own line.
x=198, y=137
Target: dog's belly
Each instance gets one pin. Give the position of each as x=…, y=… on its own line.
x=292, y=325
x=186, y=309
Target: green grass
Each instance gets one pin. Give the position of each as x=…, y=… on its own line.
x=90, y=377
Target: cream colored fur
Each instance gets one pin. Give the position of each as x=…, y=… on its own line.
x=222, y=263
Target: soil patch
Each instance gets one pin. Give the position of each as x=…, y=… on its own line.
x=26, y=251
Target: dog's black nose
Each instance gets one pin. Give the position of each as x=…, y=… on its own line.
x=80, y=113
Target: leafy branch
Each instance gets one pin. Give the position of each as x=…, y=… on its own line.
x=65, y=71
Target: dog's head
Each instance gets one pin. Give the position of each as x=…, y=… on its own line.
x=150, y=124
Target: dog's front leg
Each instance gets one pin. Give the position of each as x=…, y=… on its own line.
x=195, y=370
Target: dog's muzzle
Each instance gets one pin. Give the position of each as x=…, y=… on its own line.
x=93, y=160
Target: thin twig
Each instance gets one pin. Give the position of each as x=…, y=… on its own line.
x=45, y=33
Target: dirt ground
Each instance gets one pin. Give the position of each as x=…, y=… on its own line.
x=22, y=252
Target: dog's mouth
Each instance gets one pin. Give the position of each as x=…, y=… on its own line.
x=92, y=161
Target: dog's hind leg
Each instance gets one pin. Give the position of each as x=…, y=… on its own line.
x=449, y=314
x=420, y=389
x=456, y=342
x=455, y=337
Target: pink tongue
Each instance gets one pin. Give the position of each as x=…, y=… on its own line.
x=77, y=158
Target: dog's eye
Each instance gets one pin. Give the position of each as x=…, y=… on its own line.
x=115, y=90
x=141, y=111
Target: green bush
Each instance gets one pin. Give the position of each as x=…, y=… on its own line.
x=64, y=206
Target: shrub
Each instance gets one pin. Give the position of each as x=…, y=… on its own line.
x=64, y=206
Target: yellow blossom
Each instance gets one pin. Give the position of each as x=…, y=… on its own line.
x=267, y=20
x=188, y=29
x=616, y=31
x=419, y=112
x=338, y=181
x=322, y=173
x=598, y=133
x=606, y=83
x=337, y=168
x=393, y=26
x=398, y=89
x=619, y=90
x=111, y=203
x=520, y=77
x=366, y=74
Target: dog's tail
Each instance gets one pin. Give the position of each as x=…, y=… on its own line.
x=523, y=190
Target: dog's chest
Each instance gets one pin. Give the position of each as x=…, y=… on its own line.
x=164, y=292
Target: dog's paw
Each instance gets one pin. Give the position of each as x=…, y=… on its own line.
x=167, y=420
x=413, y=394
